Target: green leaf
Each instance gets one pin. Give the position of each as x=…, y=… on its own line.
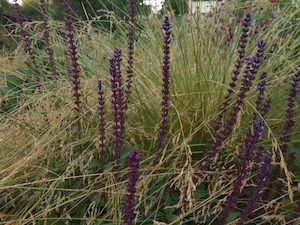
x=232, y=216
x=4, y=91
x=14, y=81
x=201, y=191
x=26, y=72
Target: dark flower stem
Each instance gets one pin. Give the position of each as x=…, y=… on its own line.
x=28, y=49
x=73, y=56
x=165, y=104
x=117, y=101
x=287, y=132
x=134, y=158
x=131, y=40
x=261, y=87
x=66, y=54
x=258, y=189
x=246, y=23
x=102, y=124
x=250, y=147
x=252, y=137
x=222, y=134
x=46, y=34
x=290, y=120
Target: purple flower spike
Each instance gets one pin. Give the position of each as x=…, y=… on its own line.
x=102, y=124
x=131, y=40
x=246, y=23
x=28, y=49
x=250, y=145
x=288, y=128
x=266, y=108
x=73, y=56
x=223, y=133
x=46, y=34
x=165, y=104
x=134, y=158
x=117, y=101
x=259, y=188
x=260, y=128
x=261, y=87
x=290, y=120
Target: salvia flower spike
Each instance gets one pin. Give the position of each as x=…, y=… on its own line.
x=246, y=23
x=28, y=49
x=134, y=158
x=288, y=127
x=256, y=133
x=165, y=104
x=73, y=56
x=46, y=34
x=117, y=101
x=102, y=124
x=290, y=120
x=249, y=75
x=261, y=87
x=131, y=40
x=258, y=190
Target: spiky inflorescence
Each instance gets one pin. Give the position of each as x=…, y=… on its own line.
x=74, y=66
x=117, y=101
x=165, y=104
x=46, y=35
x=256, y=133
x=27, y=47
x=249, y=75
x=266, y=107
x=131, y=40
x=102, y=124
x=66, y=55
x=258, y=190
x=261, y=87
x=246, y=23
x=134, y=159
x=290, y=120
x=287, y=132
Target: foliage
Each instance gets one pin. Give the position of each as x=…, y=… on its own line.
x=5, y=7
x=179, y=7
x=82, y=9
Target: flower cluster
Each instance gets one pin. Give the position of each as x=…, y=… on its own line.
x=246, y=23
x=258, y=190
x=102, y=124
x=261, y=87
x=134, y=158
x=223, y=133
x=46, y=35
x=131, y=40
x=164, y=124
x=290, y=120
x=73, y=56
x=256, y=132
x=117, y=100
x=28, y=49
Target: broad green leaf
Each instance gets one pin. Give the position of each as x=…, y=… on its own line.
x=14, y=81
x=232, y=216
x=4, y=91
